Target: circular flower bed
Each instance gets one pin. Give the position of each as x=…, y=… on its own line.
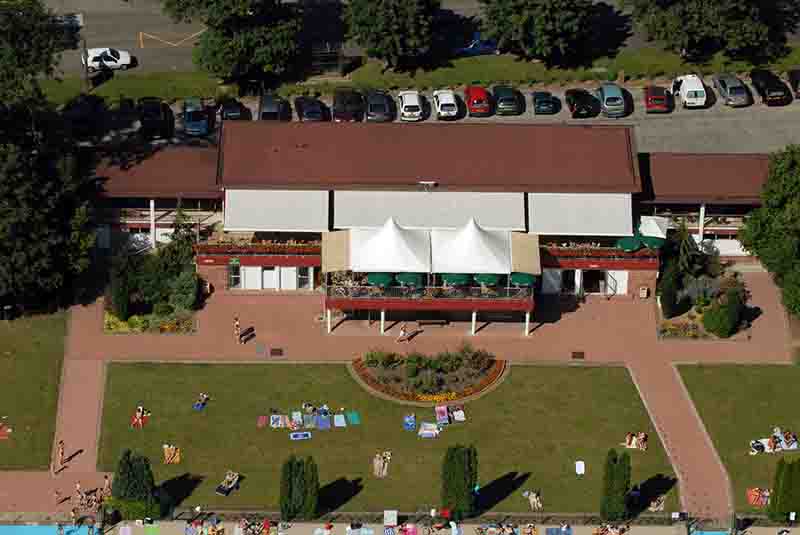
x=445, y=377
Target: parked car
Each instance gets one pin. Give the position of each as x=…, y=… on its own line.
x=731, y=90
x=581, y=103
x=273, y=108
x=612, y=101
x=794, y=81
x=97, y=59
x=156, y=118
x=478, y=47
x=479, y=101
x=379, y=107
x=770, y=88
x=507, y=100
x=197, y=121
x=410, y=106
x=445, y=103
x=656, y=100
x=544, y=103
x=348, y=105
x=310, y=109
x=691, y=91
x=231, y=109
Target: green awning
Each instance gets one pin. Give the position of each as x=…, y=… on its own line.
x=410, y=279
x=630, y=244
x=457, y=279
x=651, y=242
x=522, y=279
x=487, y=279
x=380, y=279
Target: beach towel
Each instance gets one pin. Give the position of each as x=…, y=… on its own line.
x=319, y=531
x=428, y=430
x=410, y=422
x=297, y=418
x=580, y=468
x=442, y=418
x=758, y=497
x=199, y=406
x=558, y=531
x=323, y=422
x=300, y=435
x=308, y=421
x=367, y=531
x=390, y=518
x=4, y=431
x=457, y=414
x=261, y=422
x=275, y=421
x=339, y=420
x=172, y=455
x=353, y=418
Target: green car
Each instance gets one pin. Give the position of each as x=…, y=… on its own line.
x=507, y=100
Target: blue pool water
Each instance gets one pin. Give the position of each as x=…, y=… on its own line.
x=42, y=530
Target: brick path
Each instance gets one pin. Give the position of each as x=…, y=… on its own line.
x=622, y=331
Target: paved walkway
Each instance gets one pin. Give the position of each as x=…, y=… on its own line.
x=622, y=331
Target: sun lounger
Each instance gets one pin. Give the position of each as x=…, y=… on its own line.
x=442, y=418
x=410, y=422
x=230, y=482
x=261, y=422
x=580, y=468
x=353, y=418
x=323, y=422
x=428, y=430
x=275, y=421
x=300, y=435
x=339, y=420
x=308, y=421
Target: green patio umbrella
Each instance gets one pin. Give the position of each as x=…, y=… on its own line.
x=522, y=279
x=410, y=279
x=487, y=279
x=457, y=279
x=630, y=244
x=380, y=279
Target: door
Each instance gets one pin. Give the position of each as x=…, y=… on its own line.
x=551, y=281
x=288, y=278
x=594, y=281
x=268, y=279
x=251, y=276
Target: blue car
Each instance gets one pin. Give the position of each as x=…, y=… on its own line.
x=197, y=121
x=478, y=47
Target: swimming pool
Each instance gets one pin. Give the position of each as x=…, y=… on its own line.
x=42, y=530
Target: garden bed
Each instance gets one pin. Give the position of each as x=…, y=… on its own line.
x=447, y=376
x=181, y=322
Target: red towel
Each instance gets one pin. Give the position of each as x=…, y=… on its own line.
x=261, y=422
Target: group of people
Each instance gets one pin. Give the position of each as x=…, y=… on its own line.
x=610, y=529
x=534, y=499
x=87, y=502
x=636, y=441
x=380, y=464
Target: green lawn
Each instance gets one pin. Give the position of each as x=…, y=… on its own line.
x=742, y=403
x=31, y=351
x=538, y=422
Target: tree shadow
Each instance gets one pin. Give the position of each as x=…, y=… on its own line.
x=173, y=492
x=644, y=494
x=610, y=29
x=499, y=489
x=551, y=308
x=337, y=493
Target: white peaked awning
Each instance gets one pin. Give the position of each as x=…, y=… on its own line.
x=471, y=249
x=391, y=249
x=654, y=226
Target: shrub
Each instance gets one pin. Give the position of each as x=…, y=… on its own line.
x=298, y=490
x=450, y=362
x=111, y=323
x=725, y=315
x=137, y=323
x=121, y=483
x=286, y=488
x=699, y=289
x=459, y=478
x=413, y=364
x=163, y=309
x=184, y=291
x=311, y=499
x=371, y=359
x=616, y=483
x=120, y=292
x=133, y=509
x=388, y=359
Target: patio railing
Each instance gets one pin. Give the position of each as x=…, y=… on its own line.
x=428, y=292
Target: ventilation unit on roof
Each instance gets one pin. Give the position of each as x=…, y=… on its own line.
x=428, y=185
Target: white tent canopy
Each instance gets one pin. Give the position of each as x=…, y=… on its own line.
x=390, y=249
x=654, y=226
x=471, y=249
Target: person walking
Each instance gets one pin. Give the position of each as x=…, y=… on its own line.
x=237, y=329
x=106, y=486
x=60, y=454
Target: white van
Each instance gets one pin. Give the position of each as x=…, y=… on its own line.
x=690, y=90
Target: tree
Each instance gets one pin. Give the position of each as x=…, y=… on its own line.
x=738, y=27
x=459, y=478
x=298, y=492
x=120, y=486
x=142, y=482
x=392, y=30
x=45, y=234
x=549, y=29
x=311, y=501
x=183, y=291
x=772, y=231
x=616, y=483
x=286, y=488
x=243, y=38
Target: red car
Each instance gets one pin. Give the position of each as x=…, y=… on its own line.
x=479, y=103
x=656, y=99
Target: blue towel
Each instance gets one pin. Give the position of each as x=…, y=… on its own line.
x=199, y=406
x=300, y=435
x=558, y=531
x=339, y=420
x=323, y=422
x=410, y=422
x=353, y=418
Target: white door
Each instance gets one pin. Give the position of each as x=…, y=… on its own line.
x=269, y=280
x=251, y=277
x=551, y=281
x=616, y=283
x=288, y=278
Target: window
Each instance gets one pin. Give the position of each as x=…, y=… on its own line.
x=695, y=94
x=234, y=276
x=304, y=281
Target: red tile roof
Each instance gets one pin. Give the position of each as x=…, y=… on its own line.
x=468, y=157
x=186, y=172
x=729, y=178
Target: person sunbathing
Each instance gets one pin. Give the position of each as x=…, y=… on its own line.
x=641, y=438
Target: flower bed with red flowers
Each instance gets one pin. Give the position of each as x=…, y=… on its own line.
x=487, y=378
x=596, y=252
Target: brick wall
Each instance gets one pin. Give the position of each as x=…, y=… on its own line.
x=637, y=279
x=216, y=275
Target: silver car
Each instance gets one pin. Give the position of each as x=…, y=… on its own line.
x=731, y=90
x=612, y=101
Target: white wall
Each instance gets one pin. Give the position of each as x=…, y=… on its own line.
x=251, y=277
x=288, y=278
x=620, y=278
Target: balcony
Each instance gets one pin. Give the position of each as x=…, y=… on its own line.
x=428, y=292
x=140, y=217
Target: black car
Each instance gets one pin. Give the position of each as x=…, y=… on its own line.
x=231, y=109
x=348, y=106
x=379, y=107
x=156, y=117
x=794, y=81
x=770, y=88
x=310, y=109
x=544, y=103
x=581, y=103
x=271, y=107
x=507, y=100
